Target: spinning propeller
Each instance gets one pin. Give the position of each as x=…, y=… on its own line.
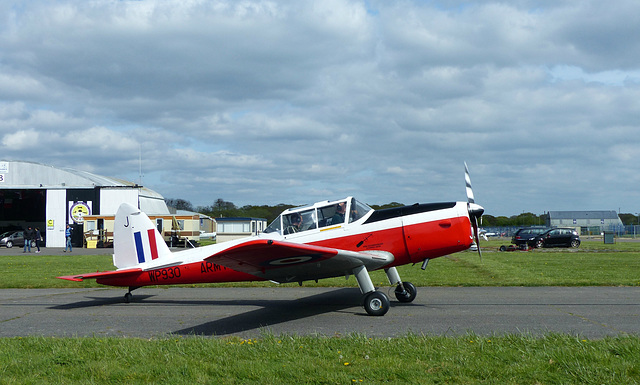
x=475, y=210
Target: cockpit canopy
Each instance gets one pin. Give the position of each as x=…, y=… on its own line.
x=321, y=214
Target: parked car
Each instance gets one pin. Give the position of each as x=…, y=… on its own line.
x=14, y=238
x=525, y=236
x=558, y=237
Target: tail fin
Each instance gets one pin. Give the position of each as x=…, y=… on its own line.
x=135, y=238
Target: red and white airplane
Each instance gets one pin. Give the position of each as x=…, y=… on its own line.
x=328, y=239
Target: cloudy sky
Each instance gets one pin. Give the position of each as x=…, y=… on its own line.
x=267, y=102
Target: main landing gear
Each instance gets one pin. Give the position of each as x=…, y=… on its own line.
x=377, y=303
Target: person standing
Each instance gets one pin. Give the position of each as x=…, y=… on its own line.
x=67, y=235
x=38, y=238
x=28, y=236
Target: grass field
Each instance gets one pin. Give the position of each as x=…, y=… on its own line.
x=355, y=359
x=593, y=264
x=470, y=359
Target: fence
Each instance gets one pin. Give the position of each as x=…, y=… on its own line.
x=628, y=231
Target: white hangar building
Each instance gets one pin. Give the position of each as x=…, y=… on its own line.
x=49, y=198
x=586, y=220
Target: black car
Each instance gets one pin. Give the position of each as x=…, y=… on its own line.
x=14, y=238
x=558, y=237
x=526, y=235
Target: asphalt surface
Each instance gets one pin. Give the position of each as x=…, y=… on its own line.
x=590, y=312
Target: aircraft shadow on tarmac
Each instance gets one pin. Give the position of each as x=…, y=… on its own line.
x=97, y=301
x=273, y=312
x=270, y=312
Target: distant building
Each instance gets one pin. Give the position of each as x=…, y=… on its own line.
x=48, y=197
x=586, y=221
x=234, y=228
x=206, y=224
x=177, y=229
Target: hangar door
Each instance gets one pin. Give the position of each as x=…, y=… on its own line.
x=22, y=208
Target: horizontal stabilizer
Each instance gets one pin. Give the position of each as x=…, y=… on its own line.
x=103, y=274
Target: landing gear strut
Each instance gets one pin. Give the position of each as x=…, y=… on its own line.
x=128, y=296
x=405, y=291
x=377, y=303
x=374, y=302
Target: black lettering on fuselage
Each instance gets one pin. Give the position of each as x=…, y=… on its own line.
x=164, y=274
x=208, y=267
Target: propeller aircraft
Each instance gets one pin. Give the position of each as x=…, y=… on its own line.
x=327, y=239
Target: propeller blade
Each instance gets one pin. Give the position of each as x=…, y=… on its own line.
x=467, y=179
x=475, y=210
x=477, y=236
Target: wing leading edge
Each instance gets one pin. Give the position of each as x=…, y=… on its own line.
x=291, y=262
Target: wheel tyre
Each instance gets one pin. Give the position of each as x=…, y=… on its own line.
x=575, y=243
x=503, y=248
x=540, y=244
x=376, y=303
x=9, y=244
x=128, y=297
x=33, y=243
x=410, y=292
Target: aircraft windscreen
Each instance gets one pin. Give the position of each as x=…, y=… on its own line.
x=307, y=219
x=274, y=227
x=357, y=210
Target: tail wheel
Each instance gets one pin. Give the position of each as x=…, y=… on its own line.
x=406, y=293
x=376, y=303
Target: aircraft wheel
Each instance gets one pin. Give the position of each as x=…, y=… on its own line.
x=409, y=294
x=128, y=297
x=376, y=303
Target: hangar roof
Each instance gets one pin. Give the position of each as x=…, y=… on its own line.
x=33, y=175
x=22, y=174
x=602, y=214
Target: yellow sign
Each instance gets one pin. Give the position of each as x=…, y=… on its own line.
x=78, y=212
x=49, y=224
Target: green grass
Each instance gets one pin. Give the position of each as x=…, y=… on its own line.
x=469, y=359
x=593, y=264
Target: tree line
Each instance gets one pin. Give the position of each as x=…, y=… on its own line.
x=224, y=209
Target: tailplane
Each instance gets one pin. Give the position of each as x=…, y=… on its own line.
x=135, y=238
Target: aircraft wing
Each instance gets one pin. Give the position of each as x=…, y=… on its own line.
x=103, y=274
x=291, y=262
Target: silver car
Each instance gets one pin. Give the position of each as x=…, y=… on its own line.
x=14, y=238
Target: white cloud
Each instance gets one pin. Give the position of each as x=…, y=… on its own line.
x=280, y=101
x=21, y=140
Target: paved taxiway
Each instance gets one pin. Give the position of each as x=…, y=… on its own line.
x=591, y=312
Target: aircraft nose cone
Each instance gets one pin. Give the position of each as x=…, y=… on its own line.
x=475, y=210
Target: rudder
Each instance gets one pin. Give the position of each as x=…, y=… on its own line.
x=135, y=238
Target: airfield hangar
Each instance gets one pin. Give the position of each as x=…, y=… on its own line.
x=588, y=221
x=49, y=198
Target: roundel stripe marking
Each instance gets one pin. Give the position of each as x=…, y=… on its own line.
x=291, y=260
